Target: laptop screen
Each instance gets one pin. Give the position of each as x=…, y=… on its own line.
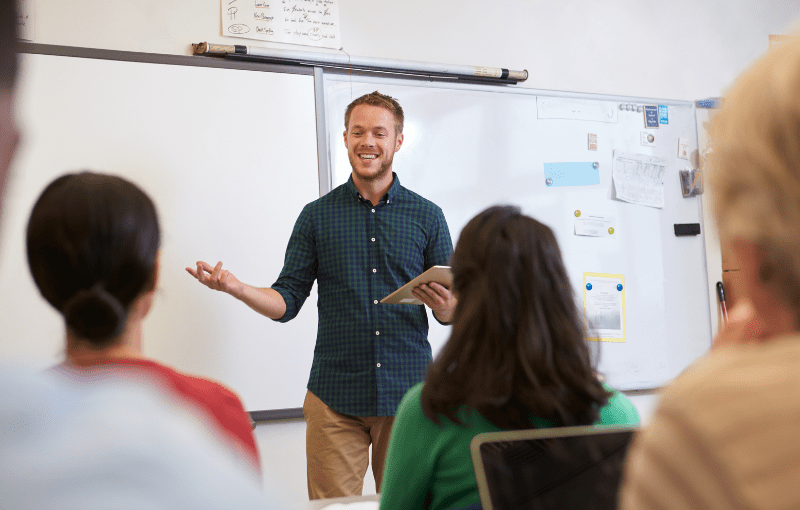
x=568, y=467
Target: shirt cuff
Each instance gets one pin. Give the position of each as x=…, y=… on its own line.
x=291, y=307
x=440, y=322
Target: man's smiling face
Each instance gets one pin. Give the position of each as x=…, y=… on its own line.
x=371, y=140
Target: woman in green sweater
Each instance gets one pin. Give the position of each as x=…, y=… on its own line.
x=517, y=358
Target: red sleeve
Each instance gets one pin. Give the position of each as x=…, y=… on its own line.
x=234, y=419
x=215, y=401
x=220, y=404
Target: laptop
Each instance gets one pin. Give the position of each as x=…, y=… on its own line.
x=567, y=467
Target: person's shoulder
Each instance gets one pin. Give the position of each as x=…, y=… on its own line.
x=415, y=198
x=332, y=198
x=196, y=386
x=413, y=395
x=136, y=425
x=619, y=410
x=732, y=378
x=411, y=404
x=729, y=414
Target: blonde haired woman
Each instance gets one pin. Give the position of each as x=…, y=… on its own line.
x=725, y=434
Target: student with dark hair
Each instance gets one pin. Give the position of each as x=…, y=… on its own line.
x=93, y=244
x=517, y=358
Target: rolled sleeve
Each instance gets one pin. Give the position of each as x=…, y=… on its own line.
x=299, y=267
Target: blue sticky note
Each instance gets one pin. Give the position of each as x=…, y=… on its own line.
x=571, y=174
x=663, y=114
x=650, y=116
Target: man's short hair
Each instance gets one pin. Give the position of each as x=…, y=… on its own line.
x=8, y=44
x=381, y=100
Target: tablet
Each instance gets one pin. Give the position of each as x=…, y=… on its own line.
x=403, y=296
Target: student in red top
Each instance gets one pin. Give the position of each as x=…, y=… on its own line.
x=92, y=244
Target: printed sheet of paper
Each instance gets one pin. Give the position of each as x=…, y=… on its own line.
x=25, y=19
x=594, y=225
x=604, y=305
x=639, y=179
x=683, y=148
x=575, y=109
x=307, y=22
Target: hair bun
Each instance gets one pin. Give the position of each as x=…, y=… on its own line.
x=94, y=314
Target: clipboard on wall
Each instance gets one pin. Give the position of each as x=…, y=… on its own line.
x=403, y=296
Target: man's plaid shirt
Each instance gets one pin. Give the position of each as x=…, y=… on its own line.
x=367, y=354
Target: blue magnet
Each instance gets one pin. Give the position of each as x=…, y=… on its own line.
x=549, y=181
x=619, y=286
x=588, y=286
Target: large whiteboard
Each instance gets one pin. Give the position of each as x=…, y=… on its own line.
x=468, y=147
x=229, y=157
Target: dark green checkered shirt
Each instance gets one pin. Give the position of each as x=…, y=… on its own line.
x=367, y=354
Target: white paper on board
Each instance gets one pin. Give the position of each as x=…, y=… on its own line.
x=25, y=19
x=683, y=148
x=575, y=109
x=306, y=22
x=604, y=307
x=594, y=225
x=639, y=179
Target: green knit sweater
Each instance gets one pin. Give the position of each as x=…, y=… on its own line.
x=425, y=458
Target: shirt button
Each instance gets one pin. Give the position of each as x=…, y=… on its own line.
x=373, y=210
x=377, y=333
x=373, y=239
x=374, y=270
x=379, y=365
x=375, y=302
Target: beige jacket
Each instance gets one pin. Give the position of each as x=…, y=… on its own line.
x=725, y=435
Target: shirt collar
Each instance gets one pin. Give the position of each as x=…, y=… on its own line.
x=388, y=198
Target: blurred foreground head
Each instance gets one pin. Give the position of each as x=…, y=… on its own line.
x=9, y=136
x=754, y=175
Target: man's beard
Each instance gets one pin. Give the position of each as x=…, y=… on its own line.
x=377, y=176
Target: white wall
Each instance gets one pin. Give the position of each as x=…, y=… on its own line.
x=684, y=49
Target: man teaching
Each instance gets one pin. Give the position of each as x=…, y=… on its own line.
x=360, y=242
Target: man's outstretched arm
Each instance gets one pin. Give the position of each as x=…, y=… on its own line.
x=264, y=300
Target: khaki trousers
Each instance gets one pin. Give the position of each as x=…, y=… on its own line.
x=337, y=449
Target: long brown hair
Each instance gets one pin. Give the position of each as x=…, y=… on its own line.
x=518, y=347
